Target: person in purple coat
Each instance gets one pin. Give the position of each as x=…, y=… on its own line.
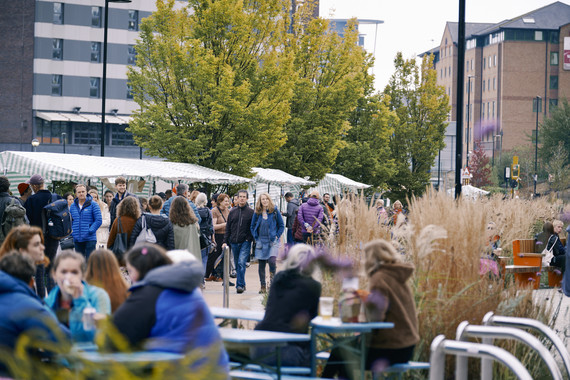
x=310, y=217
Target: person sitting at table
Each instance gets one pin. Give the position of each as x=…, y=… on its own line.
x=166, y=311
x=292, y=303
x=103, y=271
x=72, y=295
x=388, y=278
x=21, y=310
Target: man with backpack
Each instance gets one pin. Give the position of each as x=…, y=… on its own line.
x=35, y=212
x=12, y=213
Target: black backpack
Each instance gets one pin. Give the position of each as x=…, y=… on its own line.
x=58, y=223
x=14, y=215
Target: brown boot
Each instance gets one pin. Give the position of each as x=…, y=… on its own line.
x=263, y=289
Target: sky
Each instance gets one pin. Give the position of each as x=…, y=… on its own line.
x=415, y=26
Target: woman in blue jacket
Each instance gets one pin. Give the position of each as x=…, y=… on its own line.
x=87, y=218
x=266, y=227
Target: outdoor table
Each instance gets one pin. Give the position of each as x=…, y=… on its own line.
x=326, y=328
x=235, y=314
x=239, y=338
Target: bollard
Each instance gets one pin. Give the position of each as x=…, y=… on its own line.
x=226, y=294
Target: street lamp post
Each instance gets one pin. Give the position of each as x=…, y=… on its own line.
x=63, y=138
x=104, y=79
x=35, y=144
x=538, y=101
x=468, y=115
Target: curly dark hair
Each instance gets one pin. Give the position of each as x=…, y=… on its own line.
x=130, y=206
x=180, y=212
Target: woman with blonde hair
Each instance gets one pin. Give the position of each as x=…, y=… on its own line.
x=391, y=300
x=266, y=227
x=103, y=231
x=103, y=271
x=29, y=240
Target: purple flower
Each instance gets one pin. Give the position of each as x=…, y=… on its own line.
x=538, y=242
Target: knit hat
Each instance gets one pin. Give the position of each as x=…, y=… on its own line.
x=22, y=188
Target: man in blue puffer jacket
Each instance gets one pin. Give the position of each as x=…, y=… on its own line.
x=166, y=312
x=86, y=216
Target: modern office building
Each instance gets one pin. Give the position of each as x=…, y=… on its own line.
x=507, y=65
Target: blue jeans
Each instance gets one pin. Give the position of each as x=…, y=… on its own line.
x=85, y=247
x=290, y=238
x=205, y=258
x=241, y=253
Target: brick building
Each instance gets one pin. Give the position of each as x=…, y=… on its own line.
x=507, y=65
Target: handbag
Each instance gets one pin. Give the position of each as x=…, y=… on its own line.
x=548, y=254
x=120, y=245
x=67, y=243
x=146, y=235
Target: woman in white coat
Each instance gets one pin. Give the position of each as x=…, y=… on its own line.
x=103, y=231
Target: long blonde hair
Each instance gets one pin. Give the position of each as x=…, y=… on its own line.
x=98, y=200
x=259, y=207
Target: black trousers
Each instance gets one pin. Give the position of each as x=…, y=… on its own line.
x=212, y=256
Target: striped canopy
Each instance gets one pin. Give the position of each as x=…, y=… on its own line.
x=79, y=168
x=338, y=184
x=278, y=177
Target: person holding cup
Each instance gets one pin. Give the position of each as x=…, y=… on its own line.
x=76, y=303
x=292, y=303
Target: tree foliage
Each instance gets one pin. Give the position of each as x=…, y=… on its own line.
x=556, y=130
x=367, y=157
x=331, y=77
x=213, y=84
x=479, y=166
x=558, y=169
x=422, y=108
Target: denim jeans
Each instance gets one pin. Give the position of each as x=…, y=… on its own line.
x=290, y=238
x=85, y=247
x=241, y=252
x=205, y=258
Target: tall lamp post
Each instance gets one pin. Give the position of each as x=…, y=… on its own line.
x=538, y=108
x=63, y=138
x=468, y=116
x=104, y=79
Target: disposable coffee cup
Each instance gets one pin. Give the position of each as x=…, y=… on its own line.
x=326, y=305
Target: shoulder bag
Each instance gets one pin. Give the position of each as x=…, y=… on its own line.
x=120, y=245
x=548, y=254
x=146, y=235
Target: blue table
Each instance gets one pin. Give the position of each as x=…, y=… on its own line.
x=235, y=314
x=239, y=338
x=323, y=329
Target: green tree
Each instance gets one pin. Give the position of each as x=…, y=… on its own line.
x=213, y=81
x=558, y=170
x=331, y=78
x=422, y=108
x=556, y=130
x=367, y=157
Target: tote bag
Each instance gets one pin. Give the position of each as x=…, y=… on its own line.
x=548, y=254
x=120, y=245
x=146, y=235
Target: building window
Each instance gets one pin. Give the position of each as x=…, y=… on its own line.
x=96, y=17
x=94, y=87
x=58, y=13
x=489, y=84
x=490, y=62
x=484, y=64
x=133, y=20
x=552, y=103
x=467, y=66
x=483, y=112
x=554, y=37
x=553, y=58
x=488, y=106
x=89, y=134
x=56, y=85
x=494, y=84
x=96, y=52
x=493, y=110
x=483, y=86
x=441, y=73
x=554, y=82
x=57, y=49
x=495, y=60
x=119, y=136
x=534, y=105
x=49, y=132
x=538, y=35
x=129, y=91
x=131, y=55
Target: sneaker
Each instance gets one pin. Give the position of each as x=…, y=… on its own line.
x=263, y=289
x=247, y=265
x=217, y=279
x=230, y=284
x=240, y=290
x=233, y=274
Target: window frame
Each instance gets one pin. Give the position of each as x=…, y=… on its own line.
x=57, y=84
x=94, y=87
x=57, y=49
x=58, y=14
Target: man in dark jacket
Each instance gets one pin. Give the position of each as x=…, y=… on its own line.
x=5, y=199
x=21, y=310
x=35, y=213
x=121, y=187
x=238, y=235
x=291, y=214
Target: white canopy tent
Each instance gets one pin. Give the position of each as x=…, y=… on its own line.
x=79, y=168
x=336, y=184
x=468, y=191
x=276, y=182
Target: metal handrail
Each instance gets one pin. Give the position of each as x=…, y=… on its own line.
x=488, y=333
x=441, y=346
x=528, y=323
x=226, y=279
